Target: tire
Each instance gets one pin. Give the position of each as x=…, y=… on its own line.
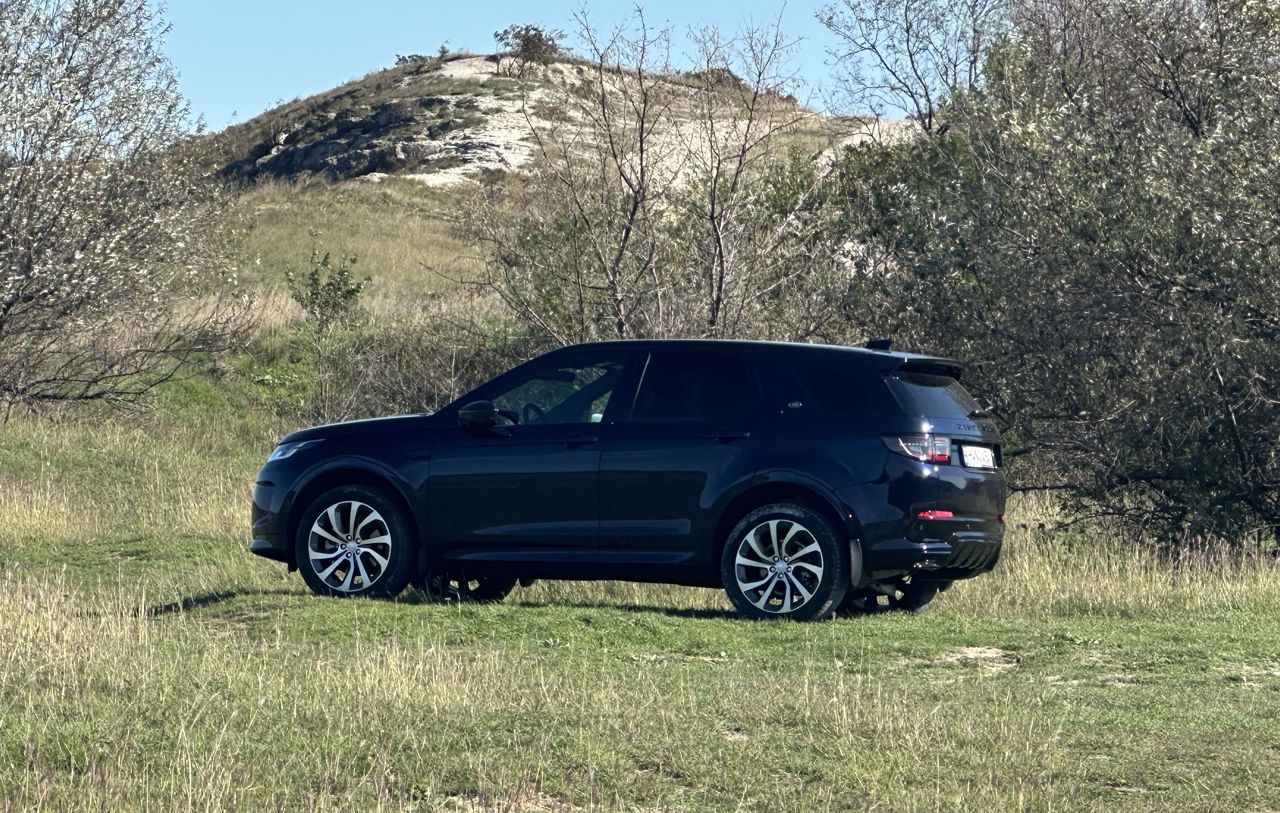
x=785, y=560
x=457, y=587
x=905, y=596
x=376, y=557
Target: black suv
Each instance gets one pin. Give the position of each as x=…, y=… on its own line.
x=800, y=478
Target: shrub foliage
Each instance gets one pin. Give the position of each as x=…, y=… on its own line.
x=110, y=246
x=1095, y=225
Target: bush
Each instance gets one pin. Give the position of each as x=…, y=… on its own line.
x=1095, y=228
x=414, y=365
x=529, y=45
x=329, y=295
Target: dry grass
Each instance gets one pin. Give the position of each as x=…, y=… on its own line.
x=401, y=233
x=150, y=662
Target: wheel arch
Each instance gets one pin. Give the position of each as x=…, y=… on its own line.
x=347, y=474
x=783, y=491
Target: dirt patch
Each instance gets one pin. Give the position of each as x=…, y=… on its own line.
x=990, y=660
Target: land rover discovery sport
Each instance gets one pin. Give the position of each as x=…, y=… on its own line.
x=801, y=479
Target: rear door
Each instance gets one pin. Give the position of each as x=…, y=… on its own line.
x=973, y=481
x=689, y=441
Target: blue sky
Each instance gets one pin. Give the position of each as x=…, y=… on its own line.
x=237, y=58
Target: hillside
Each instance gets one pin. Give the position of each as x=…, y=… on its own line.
x=426, y=116
x=437, y=120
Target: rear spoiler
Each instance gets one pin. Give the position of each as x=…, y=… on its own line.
x=928, y=365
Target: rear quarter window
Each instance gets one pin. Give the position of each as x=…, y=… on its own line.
x=842, y=386
x=930, y=395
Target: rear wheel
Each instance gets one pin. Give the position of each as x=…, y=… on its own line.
x=457, y=587
x=354, y=540
x=785, y=560
x=904, y=595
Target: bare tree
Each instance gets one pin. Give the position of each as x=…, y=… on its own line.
x=907, y=57
x=110, y=263
x=653, y=207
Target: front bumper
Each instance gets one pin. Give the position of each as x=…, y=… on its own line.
x=268, y=538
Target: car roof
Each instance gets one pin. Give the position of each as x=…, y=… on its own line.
x=883, y=360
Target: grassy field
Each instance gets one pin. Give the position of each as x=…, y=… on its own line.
x=151, y=662
x=400, y=232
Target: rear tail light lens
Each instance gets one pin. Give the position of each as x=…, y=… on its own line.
x=925, y=448
x=935, y=515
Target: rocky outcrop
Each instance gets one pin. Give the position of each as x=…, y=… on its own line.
x=396, y=136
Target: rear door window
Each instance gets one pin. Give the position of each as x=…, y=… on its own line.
x=696, y=386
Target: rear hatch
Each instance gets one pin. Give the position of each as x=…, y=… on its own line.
x=963, y=446
x=931, y=389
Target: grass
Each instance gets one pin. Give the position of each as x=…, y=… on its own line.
x=400, y=231
x=151, y=662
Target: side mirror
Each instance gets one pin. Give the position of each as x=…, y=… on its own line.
x=483, y=418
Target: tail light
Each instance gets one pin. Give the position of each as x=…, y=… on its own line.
x=925, y=448
x=935, y=514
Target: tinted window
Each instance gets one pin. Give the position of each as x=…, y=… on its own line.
x=932, y=396
x=695, y=386
x=841, y=386
x=565, y=393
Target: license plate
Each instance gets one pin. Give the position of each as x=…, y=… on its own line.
x=978, y=457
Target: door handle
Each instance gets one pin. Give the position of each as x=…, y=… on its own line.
x=579, y=440
x=726, y=437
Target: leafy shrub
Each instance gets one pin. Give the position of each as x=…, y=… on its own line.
x=1095, y=229
x=529, y=45
x=329, y=295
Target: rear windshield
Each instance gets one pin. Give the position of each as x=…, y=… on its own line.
x=931, y=396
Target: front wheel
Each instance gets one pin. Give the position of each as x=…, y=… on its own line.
x=785, y=561
x=354, y=540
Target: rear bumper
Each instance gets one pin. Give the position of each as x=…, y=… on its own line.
x=266, y=549
x=961, y=556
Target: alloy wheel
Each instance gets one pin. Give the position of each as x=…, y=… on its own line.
x=349, y=546
x=779, y=566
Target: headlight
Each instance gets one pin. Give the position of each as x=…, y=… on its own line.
x=288, y=449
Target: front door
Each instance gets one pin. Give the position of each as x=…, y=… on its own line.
x=528, y=492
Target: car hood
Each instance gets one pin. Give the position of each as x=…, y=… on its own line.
x=370, y=426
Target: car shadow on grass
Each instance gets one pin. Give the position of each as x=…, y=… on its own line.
x=417, y=597
x=673, y=612
x=209, y=600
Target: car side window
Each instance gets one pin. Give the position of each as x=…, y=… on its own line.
x=564, y=393
x=843, y=387
x=692, y=385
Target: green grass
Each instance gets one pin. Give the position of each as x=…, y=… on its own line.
x=151, y=662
